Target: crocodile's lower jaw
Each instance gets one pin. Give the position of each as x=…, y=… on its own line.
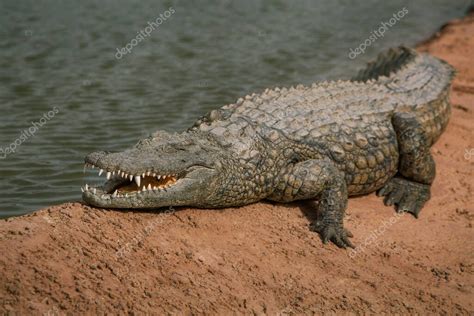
x=123, y=186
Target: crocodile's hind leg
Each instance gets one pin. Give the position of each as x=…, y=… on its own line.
x=410, y=189
x=322, y=181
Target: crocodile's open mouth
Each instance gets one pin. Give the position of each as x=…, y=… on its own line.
x=123, y=184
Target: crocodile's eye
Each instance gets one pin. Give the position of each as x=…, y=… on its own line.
x=294, y=160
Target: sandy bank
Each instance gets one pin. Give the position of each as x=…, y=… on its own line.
x=261, y=258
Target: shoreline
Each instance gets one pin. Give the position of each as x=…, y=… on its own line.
x=260, y=258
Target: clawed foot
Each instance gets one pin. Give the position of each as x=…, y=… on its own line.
x=333, y=232
x=407, y=196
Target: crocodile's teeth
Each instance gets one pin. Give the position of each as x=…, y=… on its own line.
x=108, y=175
x=149, y=186
x=101, y=171
x=87, y=187
x=155, y=188
x=143, y=175
x=82, y=189
x=130, y=177
x=154, y=174
x=94, y=190
x=148, y=173
x=159, y=177
x=143, y=189
x=113, y=173
x=137, y=180
x=115, y=194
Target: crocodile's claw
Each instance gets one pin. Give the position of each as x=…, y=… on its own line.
x=333, y=232
x=407, y=196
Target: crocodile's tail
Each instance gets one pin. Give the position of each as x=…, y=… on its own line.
x=419, y=82
x=405, y=71
x=386, y=63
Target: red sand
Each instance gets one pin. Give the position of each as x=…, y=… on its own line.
x=262, y=258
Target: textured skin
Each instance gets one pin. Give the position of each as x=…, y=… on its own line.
x=324, y=142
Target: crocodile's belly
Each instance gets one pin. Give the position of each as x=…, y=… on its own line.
x=374, y=160
x=367, y=152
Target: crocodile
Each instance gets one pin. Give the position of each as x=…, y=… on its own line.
x=322, y=142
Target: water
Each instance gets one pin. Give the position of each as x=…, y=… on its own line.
x=59, y=56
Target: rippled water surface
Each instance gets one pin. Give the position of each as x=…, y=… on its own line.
x=61, y=81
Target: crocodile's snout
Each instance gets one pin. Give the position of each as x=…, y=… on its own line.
x=154, y=173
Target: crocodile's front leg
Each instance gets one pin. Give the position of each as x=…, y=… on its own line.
x=322, y=181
